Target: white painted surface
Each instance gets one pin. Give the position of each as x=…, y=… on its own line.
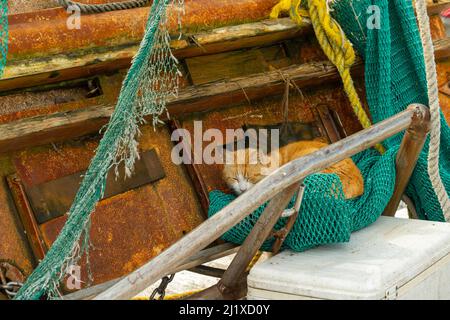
x=397, y=258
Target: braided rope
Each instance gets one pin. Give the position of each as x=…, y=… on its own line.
x=335, y=45
x=99, y=8
x=433, y=96
x=292, y=6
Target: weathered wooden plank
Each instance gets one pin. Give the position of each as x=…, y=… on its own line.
x=240, y=63
x=242, y=206
x=407, y=156
x=437, y=7
x=260, y=232
x=62, y=67
x=57, y=127
x=202, y=257
x=60, y=126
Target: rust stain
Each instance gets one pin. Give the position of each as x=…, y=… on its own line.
x=131, y=228
x=43, y=164
x=128, y=229
x=36, y=106
x=13, y=244
x=46, y=31
x=443, y=70
x=437, y=28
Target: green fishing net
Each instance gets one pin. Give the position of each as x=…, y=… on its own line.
x=3, y=34
x=395, y=78
x=151, y=80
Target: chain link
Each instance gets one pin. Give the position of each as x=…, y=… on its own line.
x=161, y=290
x=11, y=288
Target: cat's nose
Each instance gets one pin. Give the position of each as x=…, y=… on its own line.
x=243, y=186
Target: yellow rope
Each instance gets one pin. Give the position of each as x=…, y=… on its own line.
x=254, y=260
x=175, y=296
x=293, y=7
x=334, y=43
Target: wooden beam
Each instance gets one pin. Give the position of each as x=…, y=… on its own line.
x=56, y=127
x=60, y=126
x=202, y=257
x=245, y=204
x=407, y=156
x=437, y=7
x=62, y=67
x=441, y=48
x=233, y=283
x=84, y=63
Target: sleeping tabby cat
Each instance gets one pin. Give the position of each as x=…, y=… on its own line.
x=241, y=173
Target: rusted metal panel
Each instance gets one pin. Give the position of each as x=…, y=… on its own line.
x=38, y=103
x=130, y=228
x=54, y=198
x=443, y=69
x=13, y=243
x=27, y=218
x=65, y=96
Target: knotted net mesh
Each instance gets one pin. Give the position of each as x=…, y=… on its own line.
x=395, y=78
x=3, y=34
x=151, y=80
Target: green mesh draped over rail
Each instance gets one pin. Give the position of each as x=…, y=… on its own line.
x=395, y=78
x=326, y=217
x=151, y=80
x=3, y=34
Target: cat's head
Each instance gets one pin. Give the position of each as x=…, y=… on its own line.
x=246, y=167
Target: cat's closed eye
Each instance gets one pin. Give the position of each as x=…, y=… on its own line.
x=240, y=177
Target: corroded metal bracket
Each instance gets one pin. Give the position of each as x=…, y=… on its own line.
x=53, y=199
x=27, y=218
